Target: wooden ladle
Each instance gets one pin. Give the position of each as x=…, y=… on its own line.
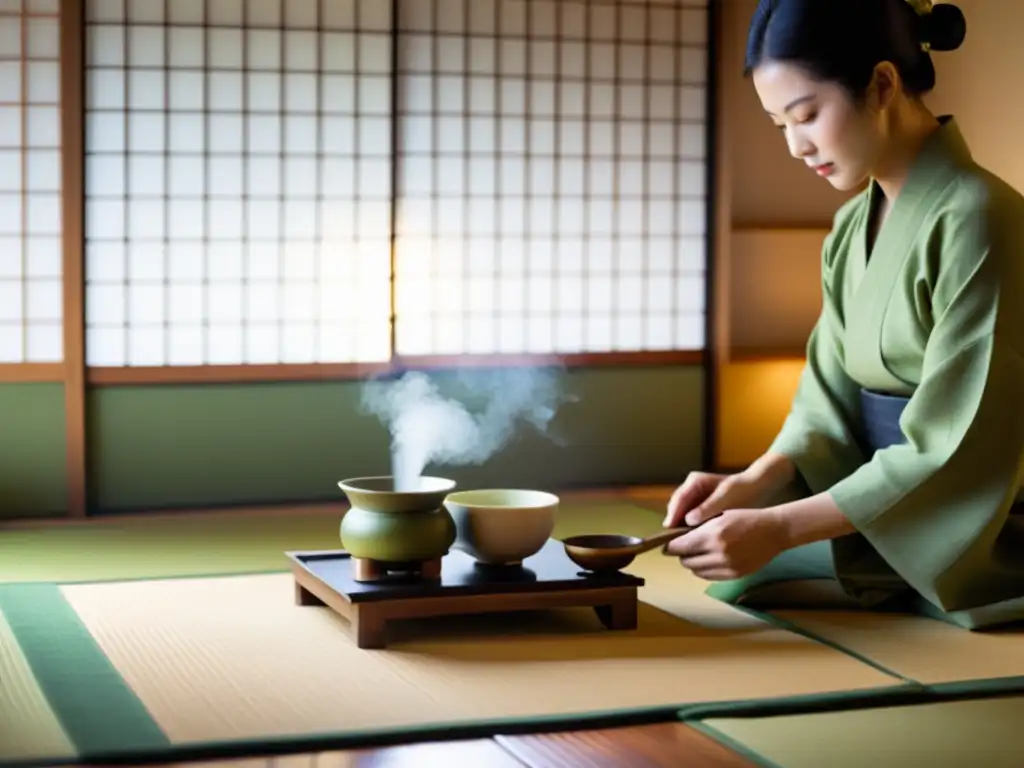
x=601, y=552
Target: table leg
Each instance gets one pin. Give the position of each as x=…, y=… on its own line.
x=620, y=614
x=369, y=627
x=431, y=569
x=304, y=597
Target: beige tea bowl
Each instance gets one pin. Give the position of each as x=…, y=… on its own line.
x=501, y=526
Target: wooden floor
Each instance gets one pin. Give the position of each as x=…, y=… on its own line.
x=650, y=746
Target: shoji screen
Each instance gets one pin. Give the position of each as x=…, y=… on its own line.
x=238, y=182
x=31, y=306
x=551, y=172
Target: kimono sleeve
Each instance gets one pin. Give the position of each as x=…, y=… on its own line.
x=818, y=433
x=934, y=506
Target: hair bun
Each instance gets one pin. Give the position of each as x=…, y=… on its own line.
x=944, y=28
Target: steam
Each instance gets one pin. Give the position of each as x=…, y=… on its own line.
x=426, y=426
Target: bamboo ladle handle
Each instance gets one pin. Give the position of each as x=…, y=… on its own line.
x=662, y=537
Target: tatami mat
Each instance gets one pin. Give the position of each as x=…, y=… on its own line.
x=201, y=642
x=923, y=649
x=247, y=541
x=985, y=732
x=29, y=729
x=234, y=658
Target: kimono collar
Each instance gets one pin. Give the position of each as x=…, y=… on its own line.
x=946, y=146
x=940, y=156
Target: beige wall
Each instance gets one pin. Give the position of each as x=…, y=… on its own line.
x=981, y=84
x=776, y=212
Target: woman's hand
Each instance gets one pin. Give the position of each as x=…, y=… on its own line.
x=705, y=495
x=740, y=541
x=734, y=544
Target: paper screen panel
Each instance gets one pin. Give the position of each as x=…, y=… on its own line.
x=551, y=176
x=238, y=182
x=31, y=303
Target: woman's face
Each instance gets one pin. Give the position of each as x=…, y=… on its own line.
x=823, y=126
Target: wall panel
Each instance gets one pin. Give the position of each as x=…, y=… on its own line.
x=551, y=177
x=31, y=306
x=238, y=182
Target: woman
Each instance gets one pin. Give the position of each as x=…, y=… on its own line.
x=905, y=440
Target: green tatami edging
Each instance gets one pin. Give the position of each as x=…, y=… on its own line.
x=898, y=695
x=97, y=710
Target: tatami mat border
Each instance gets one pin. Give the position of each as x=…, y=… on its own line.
x=796, y=629
x=908, y=694
x=96, y=708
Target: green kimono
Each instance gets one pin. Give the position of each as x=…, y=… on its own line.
x=934, y=312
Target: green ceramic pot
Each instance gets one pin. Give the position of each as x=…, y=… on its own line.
x=397, y=526
x=397, y=537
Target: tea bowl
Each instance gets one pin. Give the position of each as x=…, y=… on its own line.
x=501, y=526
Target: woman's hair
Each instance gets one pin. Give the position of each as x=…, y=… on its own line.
x=843, y=40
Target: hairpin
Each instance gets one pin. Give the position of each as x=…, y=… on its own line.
x=922, y=8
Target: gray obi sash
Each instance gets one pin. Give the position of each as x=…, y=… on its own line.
x=880, y=427
x=880, y=419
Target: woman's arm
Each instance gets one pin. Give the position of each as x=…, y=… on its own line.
x=815, y=518
x=771, y=471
